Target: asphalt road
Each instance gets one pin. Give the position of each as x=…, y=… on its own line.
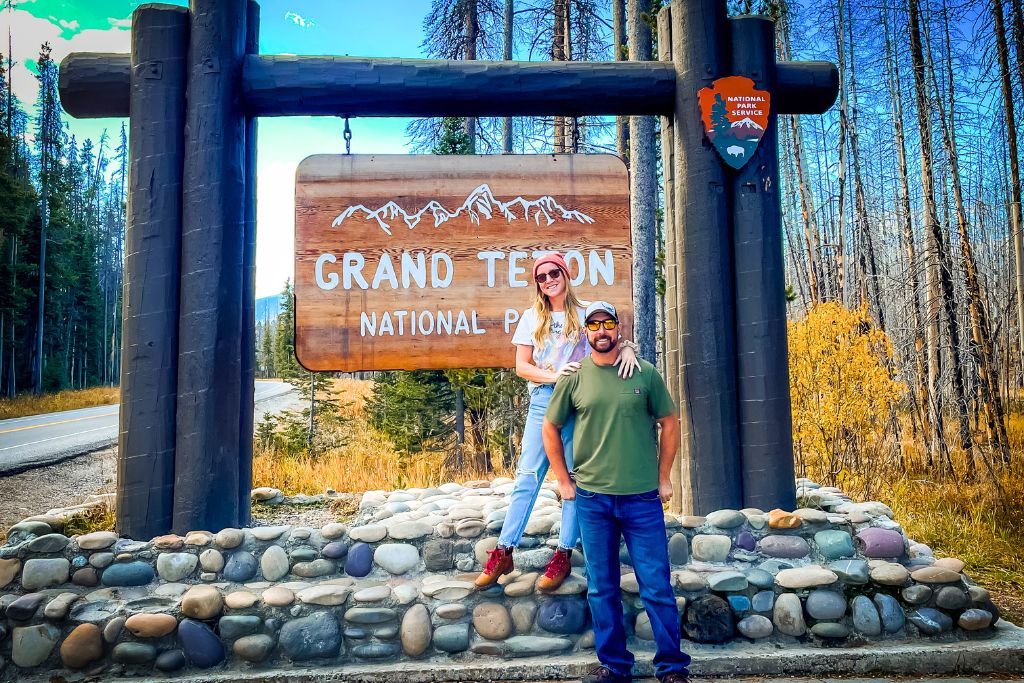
x=37, y=440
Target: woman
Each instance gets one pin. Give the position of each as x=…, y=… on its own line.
x=549, y=342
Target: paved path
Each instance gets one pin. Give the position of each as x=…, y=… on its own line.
x=36, y=440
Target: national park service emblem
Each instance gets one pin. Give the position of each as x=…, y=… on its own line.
x=735, y=117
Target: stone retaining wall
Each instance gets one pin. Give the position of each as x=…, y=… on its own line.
x=396, y=585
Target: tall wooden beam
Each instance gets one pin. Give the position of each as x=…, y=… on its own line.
x=707, y=336
x=762, y=360
x=206, y=469
x=96, y=85
x=149, y=348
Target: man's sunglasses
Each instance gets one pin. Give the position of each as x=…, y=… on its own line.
x=609, y=324
x=553, y=274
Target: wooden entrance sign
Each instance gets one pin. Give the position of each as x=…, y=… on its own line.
x=418, y=261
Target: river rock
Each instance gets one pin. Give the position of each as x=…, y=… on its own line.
x=935, y=575
x=789, y=547
x=952, y=598
x=58, y=608
x=24, y=607
x=805, y=577
x=31, y=645
x=974, y=619
x=562, y=615
x=372, y=594
x=229, y=539
x=825, y=605
x=788, y=616
x=274, y=563
x=763, y=601
x=236, y=626
x=689, y=581
x=359, y=560
x=333, y=530
x=727, y=581
x=759, y=578
x=917, y=594
x=533, y=646
x=175, y=566
x=198, y=538
x=310, y=637
x=880, y=543
x=396, y=558
x=711, y=548
x=253, y=648
x=240, y=567
x=726, y=519
x=202, y=602
x=278, y=596
x=211, y=560
x=830, y=629
x=951, y=563
x=452, y=638
x=83, y=646
x=755, y=626
x=87, y=576
x=746, y=541
x=133, y=653
x=523, y=616
x=708, y=619
x=854, y=572
x=43, y=573
x=270, y=533
x=890, y=611
x=49, y=543
x=678, y=549
x=101, y=560
x=438, y=555
x=780, y=519
x=416, y=630
x=369, y=533
x=890, y=574
x=410, y=530
x=866, y=619
x=201, y=646
x=370, y=615
x=931, y=622
x=151, y=625
x=492, y=621
x=834, y=544
x=324, y=595
x=170, y=660
x=335, y=550
x=97, y=540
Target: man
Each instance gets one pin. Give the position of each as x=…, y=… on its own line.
x=620, y=478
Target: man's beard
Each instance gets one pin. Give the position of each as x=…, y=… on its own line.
x=600, y=347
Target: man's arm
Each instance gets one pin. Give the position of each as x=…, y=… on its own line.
x=667, y=447
x=552, y=437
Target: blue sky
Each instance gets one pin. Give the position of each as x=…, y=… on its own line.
x=343, y=27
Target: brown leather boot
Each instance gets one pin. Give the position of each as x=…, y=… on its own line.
x=558, y=568
x=499, y=562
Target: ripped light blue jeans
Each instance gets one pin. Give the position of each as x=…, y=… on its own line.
x=533, y=467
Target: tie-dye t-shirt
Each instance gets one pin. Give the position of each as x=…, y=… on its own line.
x=558, y=350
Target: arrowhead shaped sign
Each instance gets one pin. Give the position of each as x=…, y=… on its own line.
x=735, y=117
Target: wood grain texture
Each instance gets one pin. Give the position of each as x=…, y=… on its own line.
x=329, y=334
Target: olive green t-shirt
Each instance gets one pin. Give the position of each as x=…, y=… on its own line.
x=615, y=445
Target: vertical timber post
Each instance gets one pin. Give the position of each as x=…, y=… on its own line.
x=245, y=426
x=762, y=361
x=671, y=269
x=210, y=333
x=710, y=467
x=149, y=348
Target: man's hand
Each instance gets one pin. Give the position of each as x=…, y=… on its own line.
x=569, y=369
x=665, y=489
x=567, y=490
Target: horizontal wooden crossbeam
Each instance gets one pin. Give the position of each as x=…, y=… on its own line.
x=96, y=85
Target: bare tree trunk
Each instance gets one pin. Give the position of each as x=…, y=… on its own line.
x=619, y=48
x=939, y=454
x=571, y=130
x=472, y=34
x=506, y=122
x=1018, y=240
x=920, y=395
x=982, y=349
x=843, y=126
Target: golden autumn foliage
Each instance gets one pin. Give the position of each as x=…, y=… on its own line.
x=843, y=392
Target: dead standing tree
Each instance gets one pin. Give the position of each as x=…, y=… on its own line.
x=195, y=407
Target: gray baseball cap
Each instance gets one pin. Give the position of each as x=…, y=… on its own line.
x=600, y=306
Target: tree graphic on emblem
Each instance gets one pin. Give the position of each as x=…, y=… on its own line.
x=719, y=115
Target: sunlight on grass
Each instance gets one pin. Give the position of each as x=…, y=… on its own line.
x=29, y=404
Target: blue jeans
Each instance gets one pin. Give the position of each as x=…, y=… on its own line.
x=533, y=467
x=639, y=519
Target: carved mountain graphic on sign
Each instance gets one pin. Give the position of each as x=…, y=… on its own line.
x=480, y=204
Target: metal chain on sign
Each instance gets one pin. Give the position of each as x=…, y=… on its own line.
x=348, y=137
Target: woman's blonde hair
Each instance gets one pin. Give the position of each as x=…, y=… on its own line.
x=542, y=307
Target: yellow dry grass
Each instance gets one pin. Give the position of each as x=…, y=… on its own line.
x=29, y=404
x=368, y=461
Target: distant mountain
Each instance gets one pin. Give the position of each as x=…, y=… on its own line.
x=481, y=203
x=268, y=307
x=746, y=128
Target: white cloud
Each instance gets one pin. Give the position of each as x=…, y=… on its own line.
x=29, y=32
x=275, y=220
x=299, y=20
x=69, y=25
